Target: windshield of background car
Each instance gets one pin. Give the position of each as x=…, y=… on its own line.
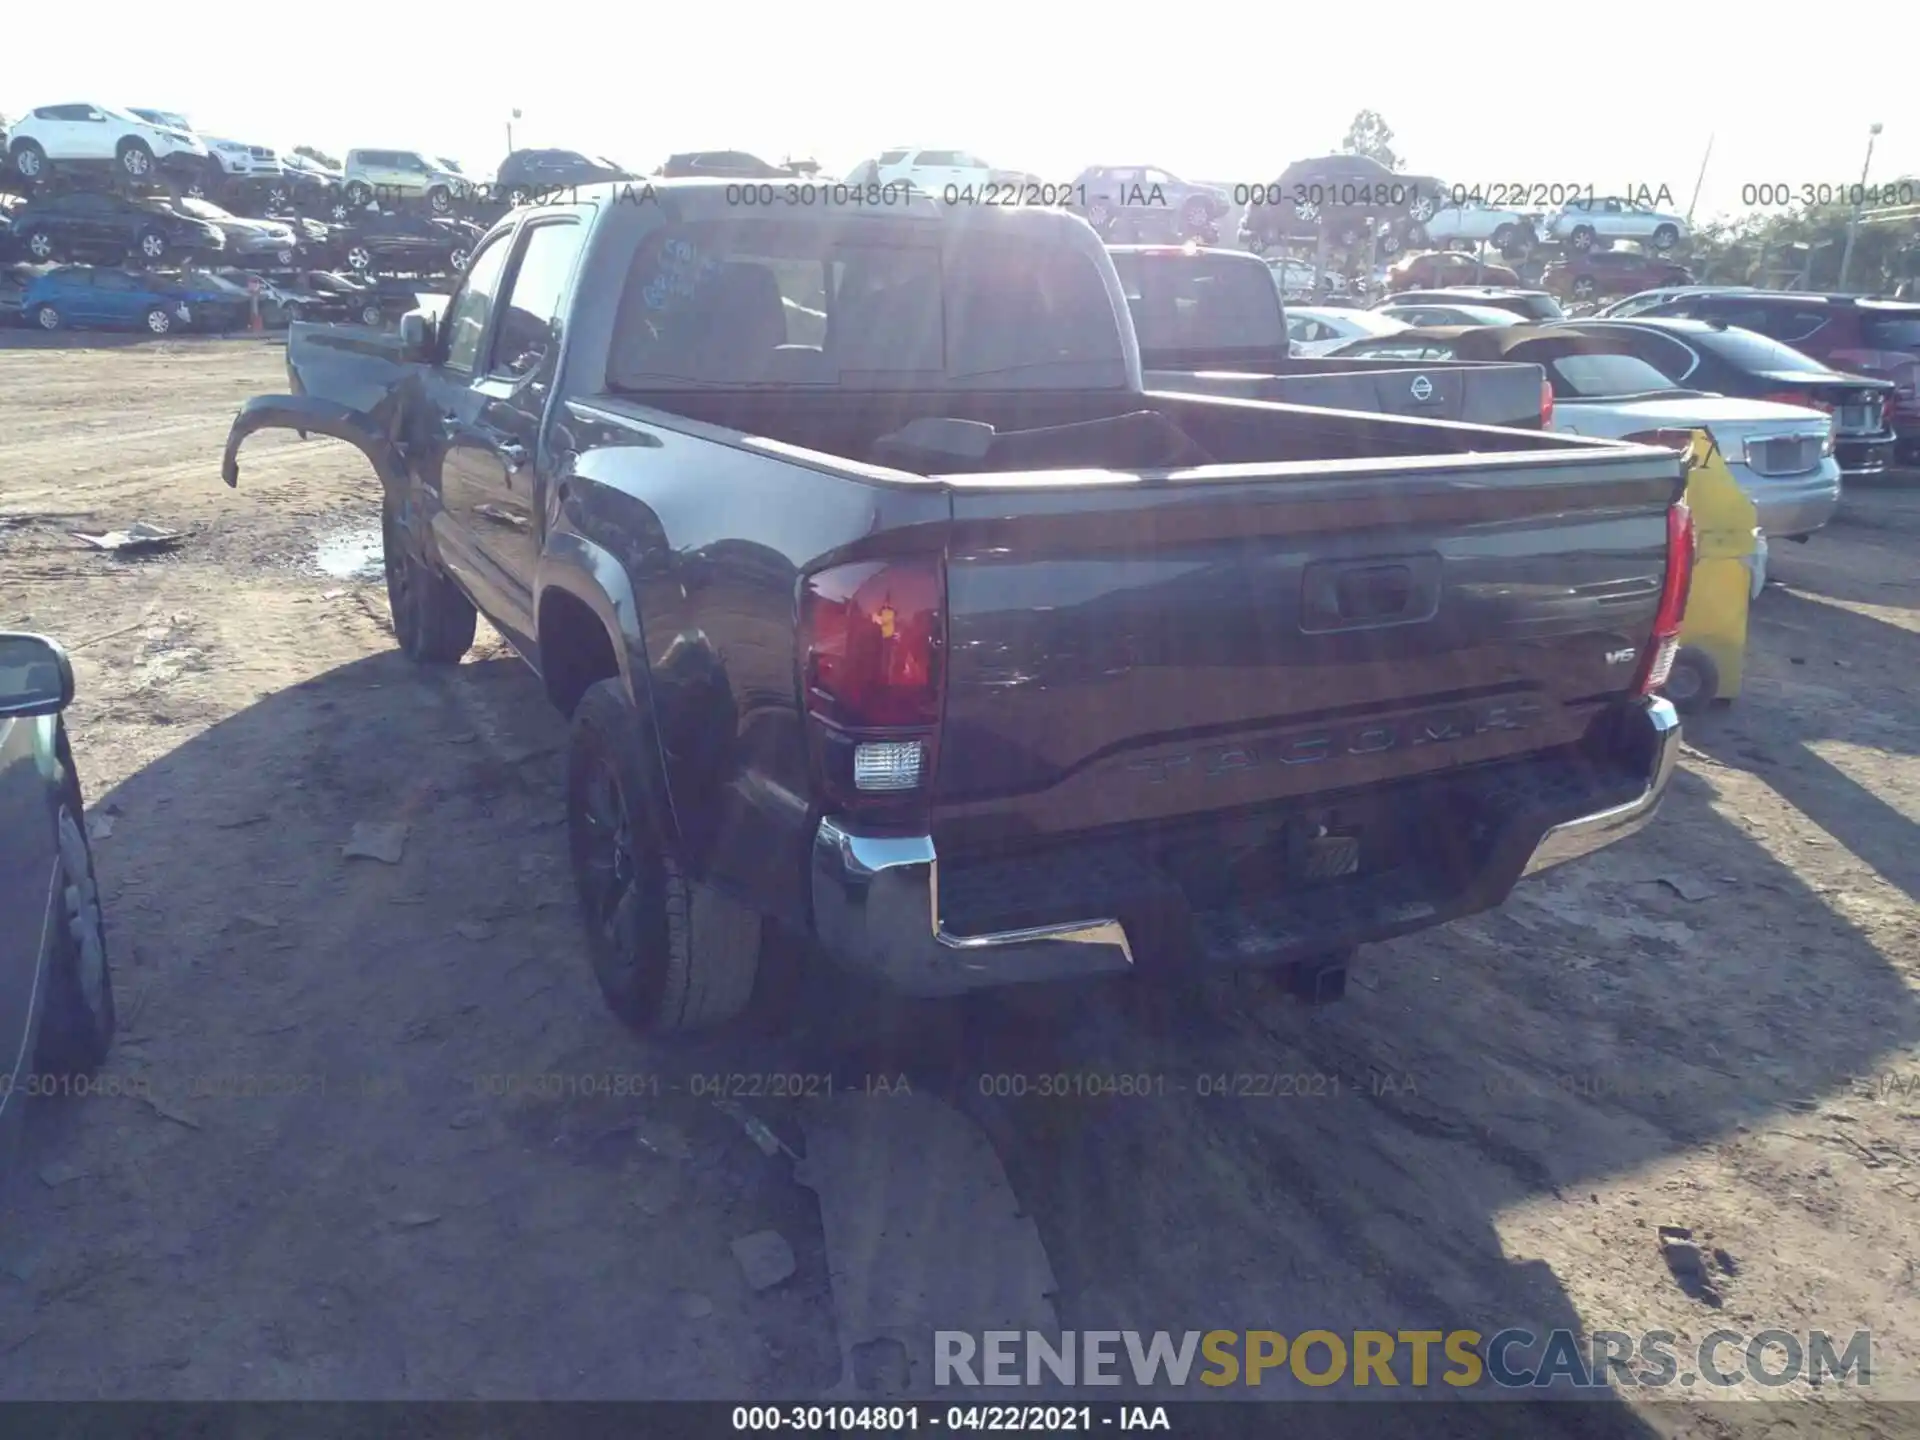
x=769, y=303
x=1597, y=376
x=1201, y=302
x=1900, y=332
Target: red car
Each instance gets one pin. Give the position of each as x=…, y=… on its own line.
x=1880, y=338
x=1435, y=269
x=1612, y=272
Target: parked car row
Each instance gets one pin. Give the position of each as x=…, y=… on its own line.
x=85, y=297
x=105, y=226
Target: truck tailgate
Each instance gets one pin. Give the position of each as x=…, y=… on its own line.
x=1493, y=394
x=1141, y=648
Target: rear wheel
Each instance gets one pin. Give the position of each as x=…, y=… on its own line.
x=134, y=159
x=159, y=321
x=668, y=953
x=152, y=246
x=359, y=194
x=1583, y=238
x=1666, y=237
x=1195, y=214
x=370, y=314
x=440, y=199
x=47, y=318
x=1694, y=682
x=76, y=1028
x=432, y=620
x=39, y=244
x=29, y=160
x=360, y=258
x=1583, y=287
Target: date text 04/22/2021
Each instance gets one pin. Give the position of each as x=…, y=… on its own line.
x=910, y=1417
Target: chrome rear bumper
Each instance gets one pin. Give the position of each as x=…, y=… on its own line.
x=1571, y=839
x=876, y=898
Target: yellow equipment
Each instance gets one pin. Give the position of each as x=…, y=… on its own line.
x=1729, y=556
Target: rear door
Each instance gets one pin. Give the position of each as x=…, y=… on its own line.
x=446, y=467
x=493, y=462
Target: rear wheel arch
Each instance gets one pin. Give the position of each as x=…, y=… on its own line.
x=577, y=650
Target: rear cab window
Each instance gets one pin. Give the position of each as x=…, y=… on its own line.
x=769, y=302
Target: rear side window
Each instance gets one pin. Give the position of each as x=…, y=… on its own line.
x=892, y=157
x=937, y=157
x=1601, y=375
x=765, y=302
x=1891, y=333
x=530, y=309
x=469, y=310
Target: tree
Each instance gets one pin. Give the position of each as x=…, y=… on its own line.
x=1371, y=136
x=1801, y=248
x=319, y=157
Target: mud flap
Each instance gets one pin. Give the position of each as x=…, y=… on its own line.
x=309, y=414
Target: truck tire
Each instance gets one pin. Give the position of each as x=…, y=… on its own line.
x=77, y=1025
x=29, y=160
x=134, y=159
x=1693, y=683
x=669, y=954
x=432, y=620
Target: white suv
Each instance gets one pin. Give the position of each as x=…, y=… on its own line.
x=934, y=170
x=88, y=132
x=235, y=160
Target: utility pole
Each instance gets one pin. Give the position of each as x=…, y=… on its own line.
x=1853, y=220
x=514, y=116
x=1700, y=180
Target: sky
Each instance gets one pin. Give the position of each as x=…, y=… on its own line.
x=1617, y=96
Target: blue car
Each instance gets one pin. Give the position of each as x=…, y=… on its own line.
x=84, y=297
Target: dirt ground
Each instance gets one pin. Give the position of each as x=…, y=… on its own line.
x=340, y=1177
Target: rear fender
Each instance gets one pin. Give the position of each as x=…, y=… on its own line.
x=311, y=415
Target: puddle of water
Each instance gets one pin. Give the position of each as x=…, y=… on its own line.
x=350, y=554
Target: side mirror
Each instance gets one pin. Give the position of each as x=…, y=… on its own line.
x=36, y=678
x=416, y=335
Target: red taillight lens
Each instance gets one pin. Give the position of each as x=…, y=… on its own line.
x=872, y=639
x=1665, y=643
x=1546, y=404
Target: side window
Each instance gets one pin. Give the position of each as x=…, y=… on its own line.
x=937, y=159
x=467, y=311
x=530, y=309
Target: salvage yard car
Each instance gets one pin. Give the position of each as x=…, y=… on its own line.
x=1724, y=359
x=56, y=987
x=88, y=134
x=93, y=225
x=79, y=297
x=1782, y=456
x=1597, y=221
x=946, y=643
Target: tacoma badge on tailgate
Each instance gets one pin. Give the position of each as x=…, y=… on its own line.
x=1374, y=737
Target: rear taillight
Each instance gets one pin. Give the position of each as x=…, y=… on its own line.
x=1667, y=620
x=872, y=669
x=1546, y=405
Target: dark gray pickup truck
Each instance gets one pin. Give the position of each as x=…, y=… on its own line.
x=1211, y=322
x=890, y=609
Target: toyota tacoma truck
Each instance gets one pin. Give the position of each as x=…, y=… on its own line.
x=889, y=608
x=1212, y=322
